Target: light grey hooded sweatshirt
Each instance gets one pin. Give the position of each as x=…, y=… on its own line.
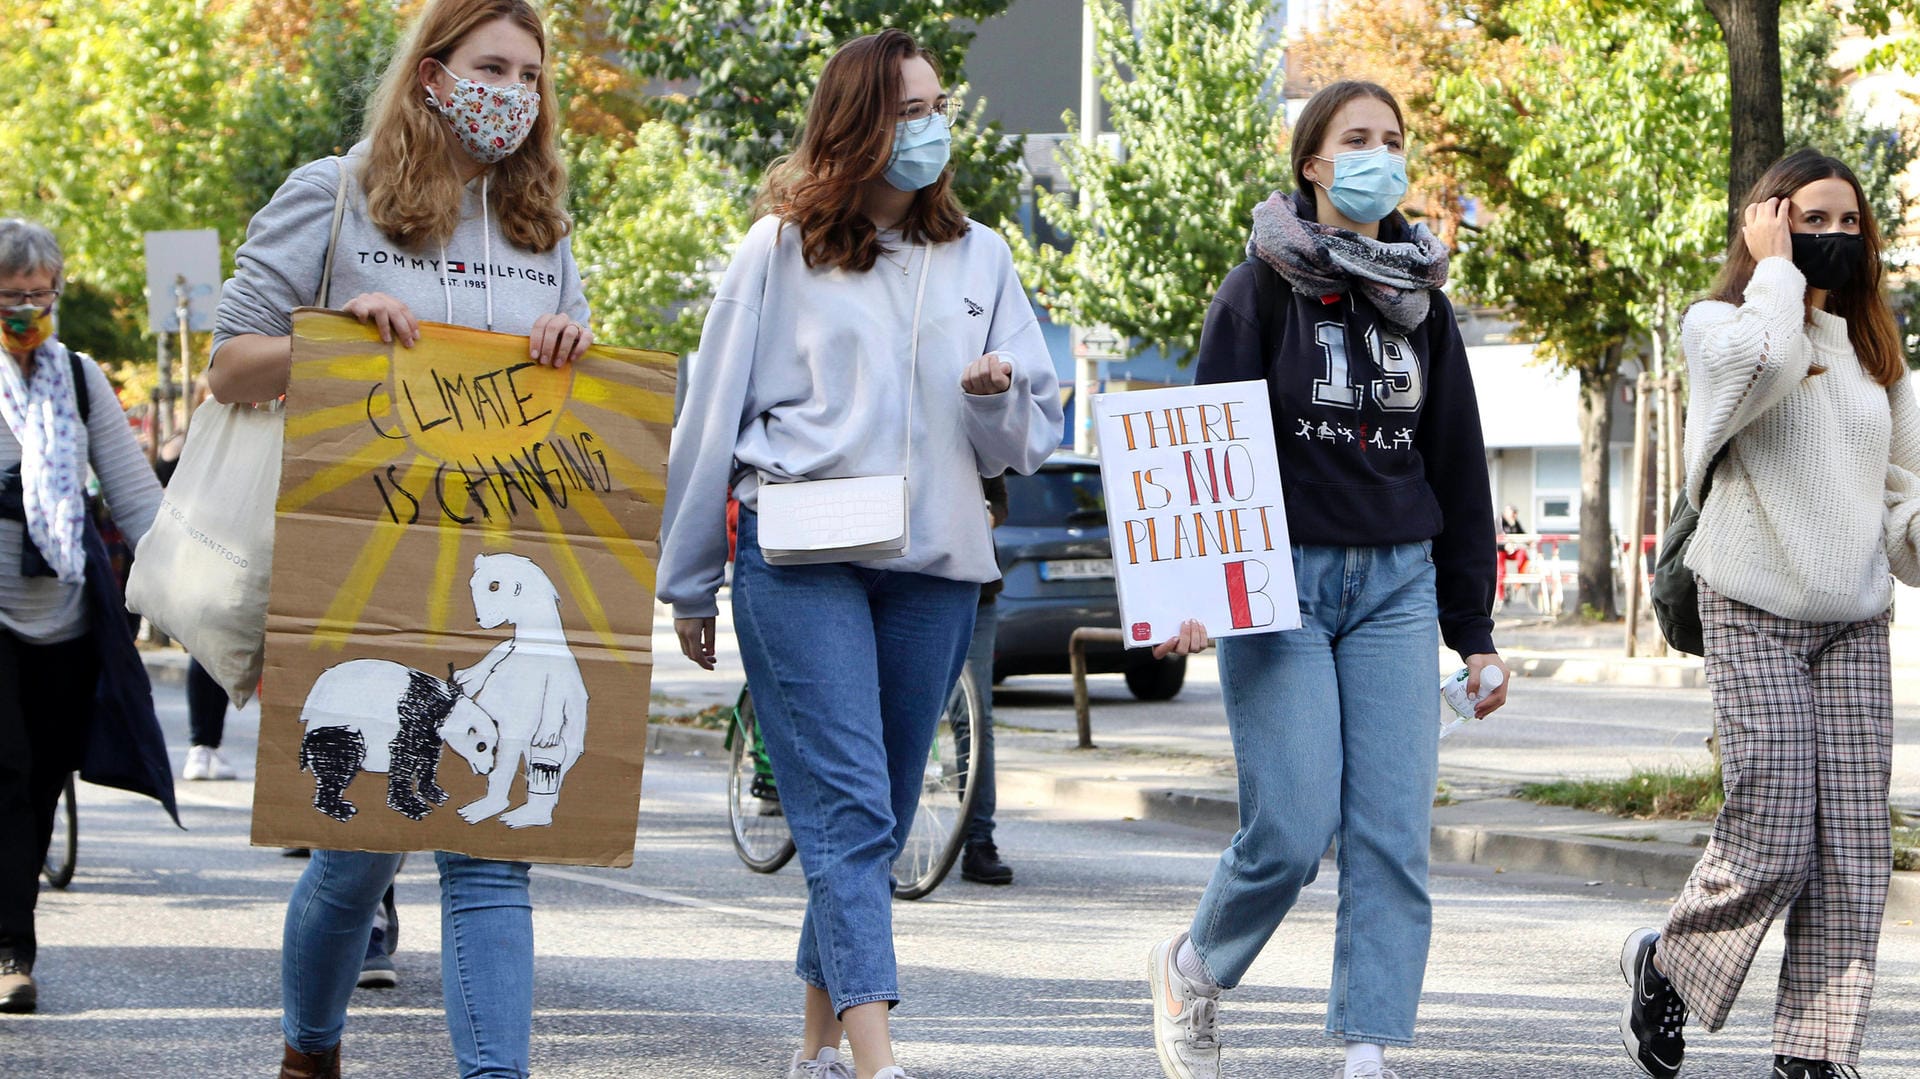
x=480, y=279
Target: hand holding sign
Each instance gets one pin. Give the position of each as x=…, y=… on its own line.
x=1191, y=640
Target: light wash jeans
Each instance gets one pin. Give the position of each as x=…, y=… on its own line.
x=850, y=669
x=1335, y=733
x=486, y=954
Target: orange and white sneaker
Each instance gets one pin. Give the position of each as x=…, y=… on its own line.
x=1185, y=1031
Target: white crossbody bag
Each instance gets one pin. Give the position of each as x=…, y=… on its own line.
x=851, y=519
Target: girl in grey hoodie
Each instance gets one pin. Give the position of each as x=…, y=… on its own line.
x=864, y=328
x=454, y=210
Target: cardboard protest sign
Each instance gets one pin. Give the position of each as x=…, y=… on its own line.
x=1199, y=529
x=459, y=637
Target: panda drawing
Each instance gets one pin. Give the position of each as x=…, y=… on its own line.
x=371, y=715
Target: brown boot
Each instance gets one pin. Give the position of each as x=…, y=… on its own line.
x=298, y=1065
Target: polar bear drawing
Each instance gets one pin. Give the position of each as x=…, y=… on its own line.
x=370, y=715
x=530, y=684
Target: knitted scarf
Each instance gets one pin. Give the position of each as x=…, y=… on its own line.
x=45, y=420
x=1320, y=260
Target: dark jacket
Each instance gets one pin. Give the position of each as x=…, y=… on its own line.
x=1378, y=431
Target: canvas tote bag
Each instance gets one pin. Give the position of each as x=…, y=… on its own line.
x=201, y=573
x=849, y=519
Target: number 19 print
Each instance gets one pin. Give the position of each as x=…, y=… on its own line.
x=1198, y=526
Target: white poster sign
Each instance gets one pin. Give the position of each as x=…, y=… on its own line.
x=1199, y=528
x=189, y=258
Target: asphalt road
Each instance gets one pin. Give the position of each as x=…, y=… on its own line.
x=163, y=960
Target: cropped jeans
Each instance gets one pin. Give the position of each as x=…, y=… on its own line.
x=1335, y=733
x=850, y=670
x=486, y=954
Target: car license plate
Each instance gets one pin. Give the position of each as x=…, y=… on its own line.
x=1077, y=569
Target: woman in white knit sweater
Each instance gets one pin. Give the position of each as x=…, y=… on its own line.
x=1801, y=411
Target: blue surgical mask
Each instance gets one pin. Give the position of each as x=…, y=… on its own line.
x=919, y=157
x=1367, y=184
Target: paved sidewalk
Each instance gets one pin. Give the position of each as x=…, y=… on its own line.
x=1173, y=762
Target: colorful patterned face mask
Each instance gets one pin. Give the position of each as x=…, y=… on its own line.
x=490, y=121
x=24, y=329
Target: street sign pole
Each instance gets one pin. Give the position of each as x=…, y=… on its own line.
x=180, y=295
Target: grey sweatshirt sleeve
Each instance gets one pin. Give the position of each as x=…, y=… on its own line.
x=278, y=268
x=573, y=296
x=132, y=490
x=1016, y=429
x=693, y=529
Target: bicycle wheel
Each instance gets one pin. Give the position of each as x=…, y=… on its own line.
x=66, y=841
x=946, y=794
x=759, y=829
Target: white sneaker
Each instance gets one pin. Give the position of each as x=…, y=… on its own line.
x=1368, y=1070
x=892, y=1071
x=1185, y=1033
x=826, y=1065
x=196, y=767
x=217, y=766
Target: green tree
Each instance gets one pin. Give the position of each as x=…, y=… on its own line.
x=1601, y=151
x=1817, y=115
x=1198, y=117
x=748, y=68
x=115, y=119
x=304, y=95
x=652, y=217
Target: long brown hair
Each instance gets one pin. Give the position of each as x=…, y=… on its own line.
x=1870, y=323
x=414, y=193
x=846, y=142
x=1311, y=129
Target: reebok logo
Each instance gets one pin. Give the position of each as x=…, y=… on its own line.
x=974, y=310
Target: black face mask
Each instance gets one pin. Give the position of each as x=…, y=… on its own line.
x=1830, y=260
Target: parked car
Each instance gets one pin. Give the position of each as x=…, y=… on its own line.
x=1058, y=568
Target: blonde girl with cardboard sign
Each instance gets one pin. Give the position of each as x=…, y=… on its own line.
x=458, y=180
x=866, y=331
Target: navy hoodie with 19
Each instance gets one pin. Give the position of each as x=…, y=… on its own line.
x=1378, y=430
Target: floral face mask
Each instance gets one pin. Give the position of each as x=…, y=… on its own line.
x=490, y=121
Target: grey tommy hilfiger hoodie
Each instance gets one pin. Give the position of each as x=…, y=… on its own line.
x=479, y=279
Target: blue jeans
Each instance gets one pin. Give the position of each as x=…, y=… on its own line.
x=1335, y=734
x=850, y=670
x=980, y=743
x=486, y=954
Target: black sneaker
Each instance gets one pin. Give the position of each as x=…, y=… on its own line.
x=1802, y=1068
x=981, y=864
x=1652, y=1021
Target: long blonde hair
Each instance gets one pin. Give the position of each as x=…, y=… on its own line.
x=414, y=193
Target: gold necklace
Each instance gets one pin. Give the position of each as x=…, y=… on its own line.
x=905, y=267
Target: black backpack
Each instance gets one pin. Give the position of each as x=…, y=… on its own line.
x=1676, y=596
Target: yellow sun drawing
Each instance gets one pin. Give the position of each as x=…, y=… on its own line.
x=463, y=438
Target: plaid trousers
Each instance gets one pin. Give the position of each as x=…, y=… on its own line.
x=1804, y=714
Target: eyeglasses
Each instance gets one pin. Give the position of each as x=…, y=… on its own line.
x=40, y=297
x=919, y=114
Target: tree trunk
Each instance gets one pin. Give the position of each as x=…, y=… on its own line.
x=1596, y=527
x=1752, y=32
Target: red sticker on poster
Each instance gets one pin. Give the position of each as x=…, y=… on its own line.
x=1142, y=631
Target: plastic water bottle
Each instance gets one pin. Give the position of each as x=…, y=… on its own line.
x=1453, y=690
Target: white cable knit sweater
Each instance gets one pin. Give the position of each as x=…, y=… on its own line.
x=1817, y=499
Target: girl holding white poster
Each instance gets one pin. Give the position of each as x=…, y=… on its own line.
x=867, y=337
x=1338, y=308
x=460, y=171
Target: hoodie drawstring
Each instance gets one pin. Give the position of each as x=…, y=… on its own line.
x=486, y=255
